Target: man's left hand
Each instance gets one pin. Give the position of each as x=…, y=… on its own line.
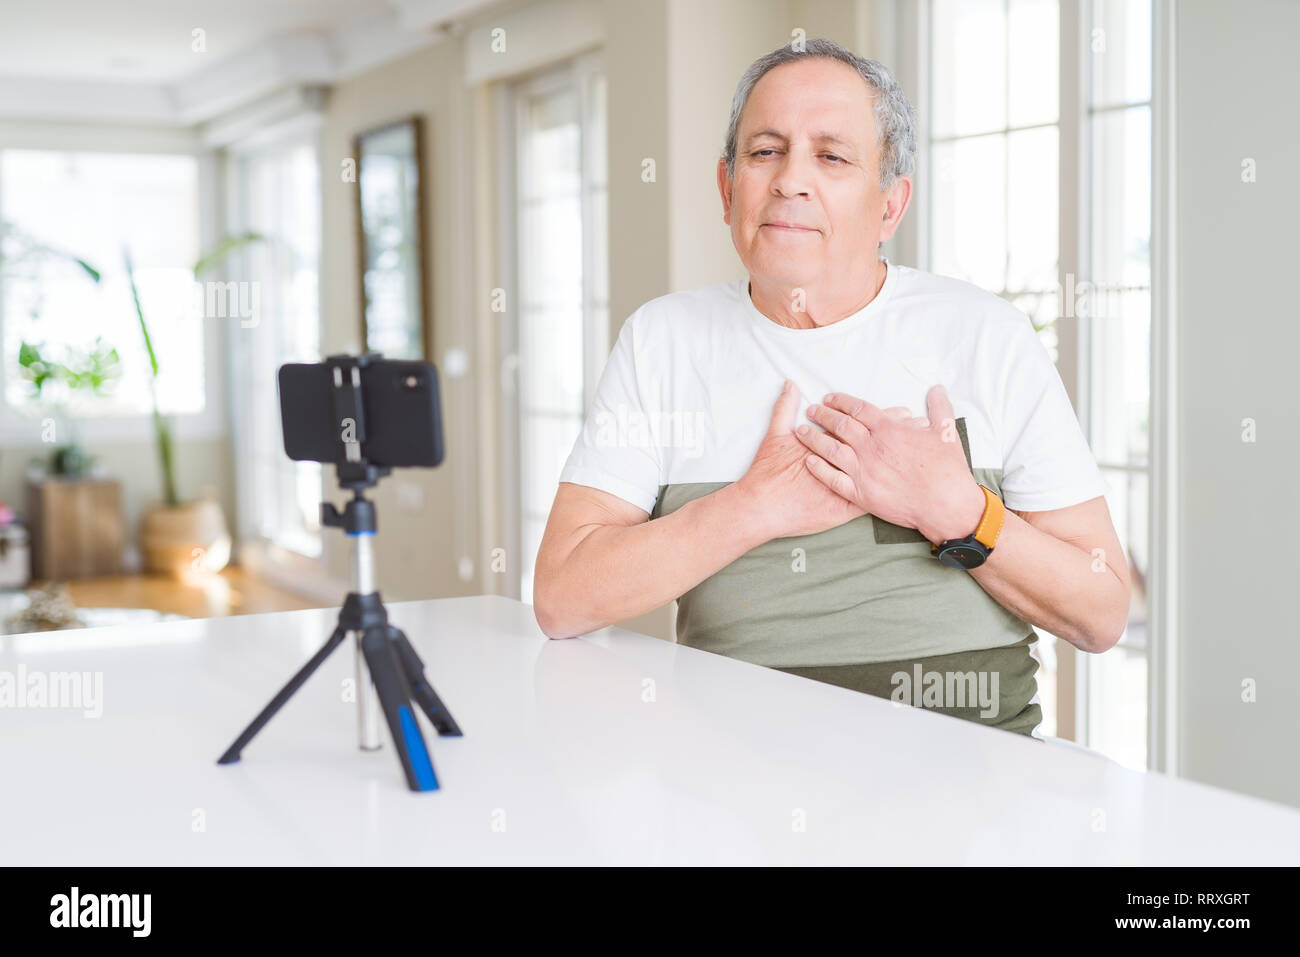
x=905, y=470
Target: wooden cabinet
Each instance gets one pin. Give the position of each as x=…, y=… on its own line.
x=76, y=527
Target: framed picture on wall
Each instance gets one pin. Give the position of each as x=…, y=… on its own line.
x=391, y=240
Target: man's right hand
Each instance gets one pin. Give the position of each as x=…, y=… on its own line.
x=778, y=490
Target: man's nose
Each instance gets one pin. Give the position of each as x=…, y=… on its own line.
x=792, y=176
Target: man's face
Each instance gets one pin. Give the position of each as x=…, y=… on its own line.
x=805, y=206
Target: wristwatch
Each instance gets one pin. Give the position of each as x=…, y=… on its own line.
x=973, y=550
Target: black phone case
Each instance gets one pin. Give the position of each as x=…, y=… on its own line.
x=403, y=420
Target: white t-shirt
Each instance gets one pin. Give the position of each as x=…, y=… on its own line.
x=687, y=393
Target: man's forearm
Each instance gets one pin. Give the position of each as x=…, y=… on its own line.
x=1055, y=585
x=618, y=572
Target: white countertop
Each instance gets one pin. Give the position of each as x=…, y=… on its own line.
x=615, y=748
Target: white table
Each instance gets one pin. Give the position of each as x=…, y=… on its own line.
x=612, y=748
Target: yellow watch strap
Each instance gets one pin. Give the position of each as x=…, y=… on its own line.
x=990, y=526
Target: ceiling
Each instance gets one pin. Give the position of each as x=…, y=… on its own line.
x=142, y=61
x=151, y=40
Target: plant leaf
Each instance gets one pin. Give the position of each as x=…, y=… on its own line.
x=224, y=248
x=139, y=312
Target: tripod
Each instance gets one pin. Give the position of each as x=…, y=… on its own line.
x=394, y=667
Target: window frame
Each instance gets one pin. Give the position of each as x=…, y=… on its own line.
x=1162, y=624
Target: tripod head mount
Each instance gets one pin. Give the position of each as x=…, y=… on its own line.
x=357, y=518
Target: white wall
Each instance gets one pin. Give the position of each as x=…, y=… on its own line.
x=1236, y=80
x=427, y=517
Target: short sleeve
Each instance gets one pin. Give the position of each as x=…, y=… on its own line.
x=615, y=451
x=1046, y=460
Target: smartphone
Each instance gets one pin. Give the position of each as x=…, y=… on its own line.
x=403, y=421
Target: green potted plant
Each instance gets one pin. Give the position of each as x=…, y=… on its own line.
x=91, y=371
x=88, y=371
x=177, y=536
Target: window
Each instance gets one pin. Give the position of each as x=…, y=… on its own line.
x=1000, y=91
x=277, y=195
x=93, y=206
x=561, y=338
x=993, y=135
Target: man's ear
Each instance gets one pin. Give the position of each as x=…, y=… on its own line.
x=896, y=199
x=724, y=187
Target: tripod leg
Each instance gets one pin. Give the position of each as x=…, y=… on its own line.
x=395, y=700
x=296, y=682
x=421, y=690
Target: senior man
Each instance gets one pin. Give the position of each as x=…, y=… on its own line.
x=900, y=534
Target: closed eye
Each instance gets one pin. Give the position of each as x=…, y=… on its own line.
x=836, y=160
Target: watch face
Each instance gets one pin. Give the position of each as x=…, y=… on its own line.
x=962, y=556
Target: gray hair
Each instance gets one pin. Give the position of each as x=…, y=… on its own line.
x=895, y=118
